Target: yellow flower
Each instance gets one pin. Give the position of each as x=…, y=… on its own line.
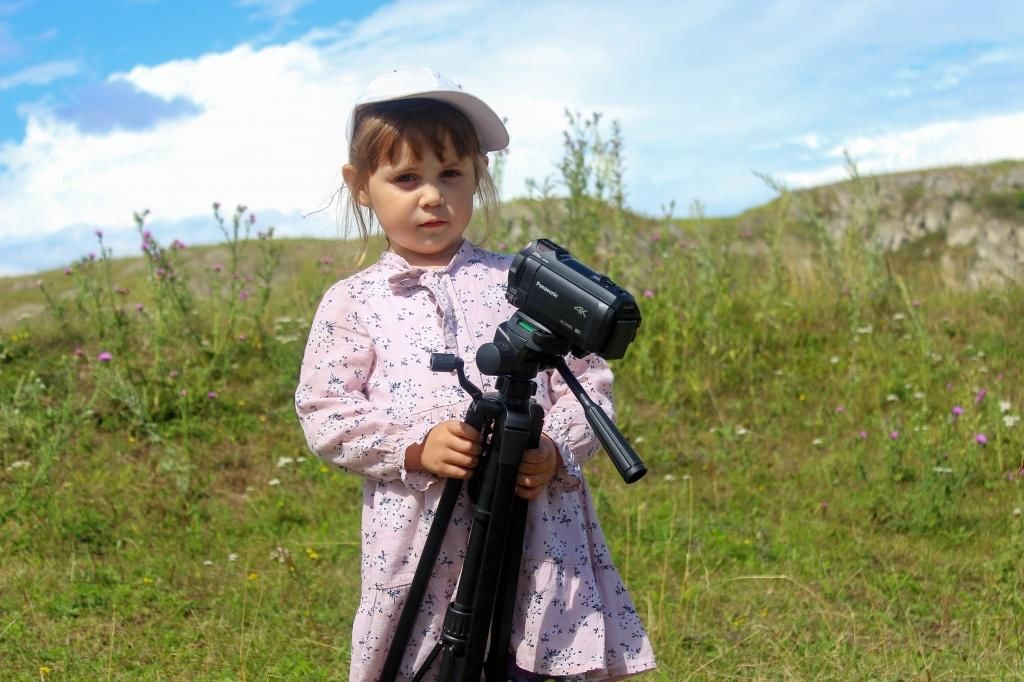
x=44, y=670
x=253, y=576
x=324, y=470
x=263, y=419
x=312, y=553
x=131, y=439
x=147, y=580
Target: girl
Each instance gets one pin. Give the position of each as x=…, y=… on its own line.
x=369, y=403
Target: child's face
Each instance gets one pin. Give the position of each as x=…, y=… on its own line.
x=423, y=206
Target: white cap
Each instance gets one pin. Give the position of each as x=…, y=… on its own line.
x=429, y=84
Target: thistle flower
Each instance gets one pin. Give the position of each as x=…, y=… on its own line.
x=981, y=439
x=105, y=356
x=894, y=435
x=979, y=396
x=957, y=411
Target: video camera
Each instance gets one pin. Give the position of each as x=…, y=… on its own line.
x=568, y=299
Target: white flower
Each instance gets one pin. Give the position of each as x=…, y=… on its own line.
x=284, y=461
x=891, y=398
x=778, y=372
x=919, y=395
x=274, y=481
x=942, y=470
x=899, y=316
x=19, y=464
x=1016, y=511
x=834, y=359
x=669, y=477
x=1011, y=420
x=232, y=557
x=1004, y=405
x=818, y=441
x=740, y=431
x=866, y=329
x=207, y=563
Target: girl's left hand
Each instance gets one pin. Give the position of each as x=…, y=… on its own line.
x=537, y=469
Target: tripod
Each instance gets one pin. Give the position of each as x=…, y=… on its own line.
x=510, y=422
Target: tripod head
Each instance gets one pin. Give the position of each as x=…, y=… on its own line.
x=522, y=348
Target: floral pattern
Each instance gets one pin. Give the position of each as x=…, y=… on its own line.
x=366, y=392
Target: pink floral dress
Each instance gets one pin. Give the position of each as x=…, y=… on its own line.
x=366, y=392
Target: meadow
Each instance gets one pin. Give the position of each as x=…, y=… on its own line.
x=833, y=443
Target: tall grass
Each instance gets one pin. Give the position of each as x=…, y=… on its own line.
x=834, y=448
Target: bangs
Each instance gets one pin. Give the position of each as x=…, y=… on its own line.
x=385, y=130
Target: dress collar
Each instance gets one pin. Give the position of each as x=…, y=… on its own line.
x=403, y=276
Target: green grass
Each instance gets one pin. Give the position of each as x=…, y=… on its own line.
x=783, y=531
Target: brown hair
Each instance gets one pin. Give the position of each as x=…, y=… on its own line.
x=381, y=130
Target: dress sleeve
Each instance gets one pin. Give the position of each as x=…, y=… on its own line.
x=565, y=424
x=340, y=423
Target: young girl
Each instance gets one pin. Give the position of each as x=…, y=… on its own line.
x=369, y=403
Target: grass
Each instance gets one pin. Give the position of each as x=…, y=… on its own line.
x=816, y=508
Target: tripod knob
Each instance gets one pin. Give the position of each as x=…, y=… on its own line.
x=494, y=359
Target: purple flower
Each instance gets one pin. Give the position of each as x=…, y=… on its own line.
x=979, y=396
x=173, y=374
x=211, y=394
x=981, y=439
x=252, y=218
x=183, y=392
x=656, y=237
x=139, y=307
x=147, y=236
x=863, y=435
x=216, y=206
x=216, y=267
x=177, y=244
x=79, y=352
x=104, y=357
x=242, y=337
x=894, y=435
x=957, y=411
x=648, y=293
x=243, y=295
x=68, y=271
x=99, y=233
x=840, y=409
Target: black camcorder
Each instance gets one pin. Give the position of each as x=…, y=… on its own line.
x=571, y=301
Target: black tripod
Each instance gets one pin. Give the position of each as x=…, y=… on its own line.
x=478, y=623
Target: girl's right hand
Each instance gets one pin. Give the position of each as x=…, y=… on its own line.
x=451, y=449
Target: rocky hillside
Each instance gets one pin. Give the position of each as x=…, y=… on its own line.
x=971, y=218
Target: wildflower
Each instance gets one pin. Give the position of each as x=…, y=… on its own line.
x=979, y=396
x=79, y=352
x=274, y=481
x=216, y=267
x=105, y=357
x=280, y=554
x=211, y=395
x=834, y=359
x=840, y=409
x=325, y=260
x=656, y=236
x=99, y=234
x=818, y=441
x=173, y=374
x=891, y=398
x=669, y=477
x=147, y=580
x=183, y=392
x=981, y=439
x=1016, y=511
x=139, y=307
x=1010, y=420
x=648, y=293
x=957, y=411
x=67, y=271
x=741, y=431
x=252, y=218
x=19, y=464
x=243, y=295
x=160, y=273
x=44, y=670
x=216, y=206
x=207, y=563
x=324, y=469
x=915, y=303
x=863, y=435
x=866, y=329
x=177, y=245
x=242, y=337
x=1004, y=405
x=312, y=553
x=253, y=575
x=919, y=395
x=284, y=461
x=899, y=316
x=942, y=470
x=232, y=557
x=894, y=435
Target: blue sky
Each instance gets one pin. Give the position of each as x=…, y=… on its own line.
x=113, y=106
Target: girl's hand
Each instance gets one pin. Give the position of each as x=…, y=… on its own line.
x=537, y=469
x=451, y=449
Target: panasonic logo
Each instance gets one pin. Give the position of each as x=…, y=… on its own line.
x=553, y=293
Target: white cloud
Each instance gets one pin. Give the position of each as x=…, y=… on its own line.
x=978, y=140
x=40, y=74
x=699, y=88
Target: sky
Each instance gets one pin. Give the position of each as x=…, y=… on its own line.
x=109, y=107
